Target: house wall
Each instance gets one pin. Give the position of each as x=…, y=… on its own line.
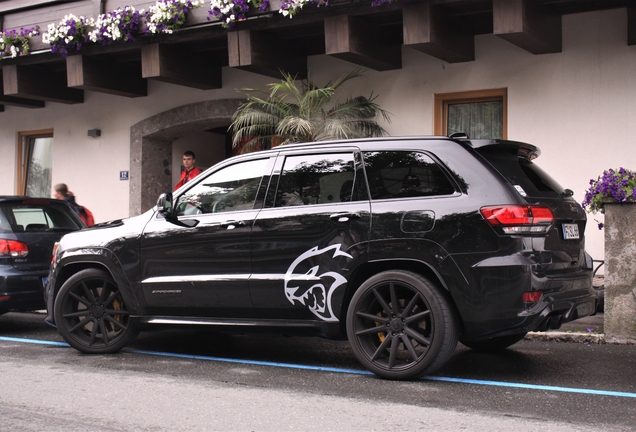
x=577, y=106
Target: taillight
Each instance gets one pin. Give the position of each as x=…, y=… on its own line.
x=531, y=296
x=519, y=219
x=13, y=249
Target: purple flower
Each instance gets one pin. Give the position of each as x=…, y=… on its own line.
x=68, y=35
x=377, y=3
x=619, y=185
x=119, y=25
x=166, y=16
x=222, y=11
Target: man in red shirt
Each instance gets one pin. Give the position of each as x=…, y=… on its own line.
x=190, y=170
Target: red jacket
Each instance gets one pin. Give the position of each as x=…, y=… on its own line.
x=190, y=175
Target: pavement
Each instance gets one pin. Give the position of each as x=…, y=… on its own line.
x=584, y=330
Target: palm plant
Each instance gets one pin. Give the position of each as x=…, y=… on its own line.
x=288, y=114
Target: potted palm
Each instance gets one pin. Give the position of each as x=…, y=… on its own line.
x=291, y=113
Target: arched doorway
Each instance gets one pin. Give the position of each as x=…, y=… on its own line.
x=151, y=146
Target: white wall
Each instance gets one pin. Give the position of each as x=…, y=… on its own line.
x=577, y=106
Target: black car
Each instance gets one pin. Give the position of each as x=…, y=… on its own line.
x=402, y=245
x=29, y=227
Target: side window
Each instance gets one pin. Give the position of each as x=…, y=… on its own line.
x=399, y=174
x=317, y=179
x=232, y=188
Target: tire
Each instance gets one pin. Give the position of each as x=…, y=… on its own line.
x=90, y=313
x=494, y=344
x=401, y=326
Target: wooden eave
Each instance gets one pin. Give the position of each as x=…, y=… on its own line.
x=268, y=42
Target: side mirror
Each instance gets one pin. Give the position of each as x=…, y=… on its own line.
x=164, y=204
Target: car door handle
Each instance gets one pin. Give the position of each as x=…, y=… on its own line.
x=231, y=224
x=344, y=217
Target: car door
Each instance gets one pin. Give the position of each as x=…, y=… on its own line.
x=313, y=228
x=197, y=261
x=417, y=212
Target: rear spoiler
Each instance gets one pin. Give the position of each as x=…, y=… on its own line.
x=521, y=149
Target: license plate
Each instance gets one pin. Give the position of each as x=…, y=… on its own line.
x=570, y=231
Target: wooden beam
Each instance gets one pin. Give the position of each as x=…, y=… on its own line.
x=432, y=31
x=352, y=39
x=95, y=74
x=631, y=23
x=39, y=83
x=527, y=24
x=261, y=53
x=173, y=65
x=19, y=102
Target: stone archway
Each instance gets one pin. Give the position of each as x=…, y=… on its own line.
x=151, y=146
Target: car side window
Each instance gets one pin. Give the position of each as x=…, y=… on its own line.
x=231, y=188
x=317, y=179
x=400, y=174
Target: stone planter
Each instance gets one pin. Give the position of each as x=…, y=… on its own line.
x=620, y=272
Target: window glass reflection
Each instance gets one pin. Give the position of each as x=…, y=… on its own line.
x=317, y=179
x=399, y=174
x=232, y=188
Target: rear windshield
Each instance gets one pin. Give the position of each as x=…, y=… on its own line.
x=523, y=175
x=18, y=217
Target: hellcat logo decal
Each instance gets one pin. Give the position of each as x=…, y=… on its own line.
x=312, y=288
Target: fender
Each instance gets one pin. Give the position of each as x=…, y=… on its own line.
x=426, y=252
x=94, y=257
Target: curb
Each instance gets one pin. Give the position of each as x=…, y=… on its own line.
x=588, y=338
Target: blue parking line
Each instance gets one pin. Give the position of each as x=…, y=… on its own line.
x=34, y=341
x=253, y=362
x=531, y=386
x=347, y=371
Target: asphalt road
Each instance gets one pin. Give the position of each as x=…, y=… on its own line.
x=184, y=380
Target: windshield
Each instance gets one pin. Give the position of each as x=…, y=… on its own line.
x=525, y=176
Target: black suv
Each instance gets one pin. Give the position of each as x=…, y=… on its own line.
x=402, y=245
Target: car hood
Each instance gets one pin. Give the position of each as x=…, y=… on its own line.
x=104, y=235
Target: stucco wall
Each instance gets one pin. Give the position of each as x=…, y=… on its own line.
x=577, y=106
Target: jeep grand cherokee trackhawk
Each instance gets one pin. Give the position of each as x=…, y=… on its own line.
x=402, y=245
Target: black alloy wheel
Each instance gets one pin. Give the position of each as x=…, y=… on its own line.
x=91, y=314
x=493, y=344
x=401, y=326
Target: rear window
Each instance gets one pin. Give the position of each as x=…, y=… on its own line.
x=34, y=217
x=525, y=176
